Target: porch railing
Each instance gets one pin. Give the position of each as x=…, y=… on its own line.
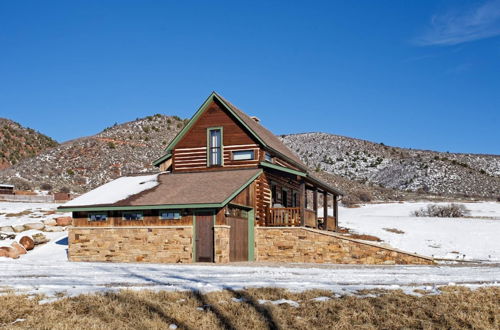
x=283, y=216
x=310, y=218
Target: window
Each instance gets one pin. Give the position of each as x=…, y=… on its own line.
x=268, y=157
x=214, y=147
x=284, y=198
x=98, y=216
x=170, y=215
x=132, y=216
x=295, y=200
x=243, y=155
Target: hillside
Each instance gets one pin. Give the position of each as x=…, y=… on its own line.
x=399, y=169
x=85, y=163
x=363, y=169
x=18, y=143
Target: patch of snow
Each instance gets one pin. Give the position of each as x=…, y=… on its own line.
x=280, y=302
x=321, y=299
x=473, y=238
x=116, y=190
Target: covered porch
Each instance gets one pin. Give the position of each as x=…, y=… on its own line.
x=313, y=196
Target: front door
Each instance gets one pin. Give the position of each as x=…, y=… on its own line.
x=204, y=237
x=238, y=239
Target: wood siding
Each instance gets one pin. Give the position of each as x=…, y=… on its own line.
x=190, y=153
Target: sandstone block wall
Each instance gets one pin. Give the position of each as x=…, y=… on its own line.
x=125, y=244
x=312, y=246
x=221, y=244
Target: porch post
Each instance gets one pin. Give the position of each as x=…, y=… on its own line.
x=315, y=206
x=325, y=209
x=302, y=205
x=336, y=211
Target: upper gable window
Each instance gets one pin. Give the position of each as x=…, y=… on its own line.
x=215, y=147
x=268, y=157
x=243, y=155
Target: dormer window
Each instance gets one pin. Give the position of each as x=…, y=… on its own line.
x=215, y=146
x=268, y=157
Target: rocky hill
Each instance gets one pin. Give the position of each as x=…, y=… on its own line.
x=85, y=163
x=399, y=169
x=18, y=143
x=364, y=170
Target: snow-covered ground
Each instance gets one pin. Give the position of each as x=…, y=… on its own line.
x=473, y=238
x=46, y=270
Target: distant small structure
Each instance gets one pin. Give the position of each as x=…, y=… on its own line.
x=6, y=189
x=62, y=197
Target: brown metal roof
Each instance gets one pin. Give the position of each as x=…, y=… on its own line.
x=264, y=134
x=207, y=187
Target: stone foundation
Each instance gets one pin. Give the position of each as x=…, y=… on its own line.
x=301, y=244
x=221, y=244
x=132, y=244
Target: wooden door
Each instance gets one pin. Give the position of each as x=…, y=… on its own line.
x=238, y=239
x=204, y=237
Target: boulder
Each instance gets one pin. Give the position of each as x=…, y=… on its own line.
x=9, y=252
x=40, y=239
x=53, y=229
x=34, y=225
x=4, y=236
x=7, y=229
x=49, y=222
x=18, y=248
x=27, y=242
x=64, y=221
x=18, y=228
x=4, y=252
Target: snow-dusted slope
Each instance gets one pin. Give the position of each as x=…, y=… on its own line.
x=474, y=238
x=399, y=168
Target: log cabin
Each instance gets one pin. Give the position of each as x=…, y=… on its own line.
x=228, y=190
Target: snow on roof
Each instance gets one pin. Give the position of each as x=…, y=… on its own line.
x=116, y=190
x=6, y=185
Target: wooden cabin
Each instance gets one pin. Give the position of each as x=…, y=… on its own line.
x=222, y=177
x=6, y=189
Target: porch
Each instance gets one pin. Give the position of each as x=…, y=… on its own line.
x=306, y=214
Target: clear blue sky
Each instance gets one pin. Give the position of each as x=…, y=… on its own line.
x=419, y=74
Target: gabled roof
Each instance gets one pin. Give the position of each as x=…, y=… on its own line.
x=265, y=137
x=208, y=189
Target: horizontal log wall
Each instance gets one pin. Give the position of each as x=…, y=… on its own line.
x=115, y=219
x=190, y=153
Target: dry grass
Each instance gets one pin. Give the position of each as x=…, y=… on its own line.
x=394, y=230
x=455, y=308
x=19, y=214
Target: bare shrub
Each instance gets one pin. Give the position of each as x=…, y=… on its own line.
x=46, y=186
x=442, y=211
x=364, y=196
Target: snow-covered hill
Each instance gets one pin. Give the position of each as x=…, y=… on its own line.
x=422, y=171
x=85, y=163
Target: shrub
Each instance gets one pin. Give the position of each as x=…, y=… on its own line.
x=364, y=196
x=45, y=186
x=65, y=190
x=111, y=145
x=442, y=211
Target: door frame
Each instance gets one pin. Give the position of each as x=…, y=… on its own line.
x=214, y=213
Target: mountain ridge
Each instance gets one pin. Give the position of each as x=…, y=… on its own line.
x=364, y=169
